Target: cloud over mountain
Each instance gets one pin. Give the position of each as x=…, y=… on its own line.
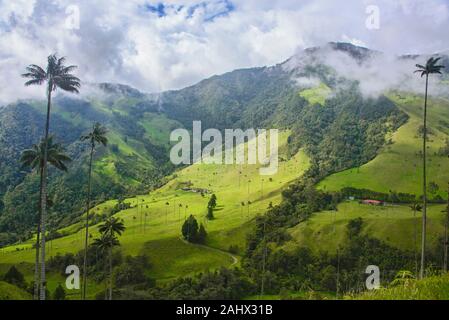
x=156, y=46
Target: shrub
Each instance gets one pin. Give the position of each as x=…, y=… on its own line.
x=15, y=277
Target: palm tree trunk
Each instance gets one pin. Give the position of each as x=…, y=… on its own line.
x=110, y=273
x=44, y=194
x=38, y=236
x=338, y=275
x=445, y=247
x=36, y=262
x=86, y=242
x=446, y=224
x=262, y=287
x=424, y=211
x=415, y=247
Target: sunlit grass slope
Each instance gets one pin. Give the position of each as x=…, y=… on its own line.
x=398, y=167
x=394, y=224
x=317, y=94
x=154, y=221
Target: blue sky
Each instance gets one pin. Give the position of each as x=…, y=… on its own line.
x=160, y=45
x=224, y=8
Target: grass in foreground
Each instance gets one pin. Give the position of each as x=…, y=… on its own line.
x=10, y=292
x=431, y=288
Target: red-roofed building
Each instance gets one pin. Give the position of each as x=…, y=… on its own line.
x=372, y=202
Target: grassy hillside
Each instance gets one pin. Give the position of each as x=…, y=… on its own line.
x=394, y=224
x=154, y=221
x=317, y=94
x=398, y=167
x=10, y=292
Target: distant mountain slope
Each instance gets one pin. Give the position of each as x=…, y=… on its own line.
x=135, y=159
x=398, y=167
x=336, y=112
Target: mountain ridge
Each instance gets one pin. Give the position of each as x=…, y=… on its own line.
x=137, y=158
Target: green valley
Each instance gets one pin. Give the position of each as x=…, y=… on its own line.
x=154, y=221
x=350, y=168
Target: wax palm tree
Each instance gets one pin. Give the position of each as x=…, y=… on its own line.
x=57, y=75
x=110, y=229
x=34, y=159
x=431, y=67
x=105, y=243
x=96, y=136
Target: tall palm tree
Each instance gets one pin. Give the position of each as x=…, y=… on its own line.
x=110, y=229
x=57, y=75
x=431, y=67
x=34, y=159
x=96, y=136
x=105, y=243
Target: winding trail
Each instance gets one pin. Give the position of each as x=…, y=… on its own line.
x=235, y=260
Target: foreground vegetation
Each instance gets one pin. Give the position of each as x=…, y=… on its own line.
x=430, y=288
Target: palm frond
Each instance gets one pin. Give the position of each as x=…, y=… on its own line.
x=431, y=67
x=67, y=82
x=34, y=82
x=97, y=135
x=34, y=157
x=67, y=70
x=57, y=74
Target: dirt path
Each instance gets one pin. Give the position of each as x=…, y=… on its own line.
x=235, y=260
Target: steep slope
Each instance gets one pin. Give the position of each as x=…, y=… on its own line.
x=395, y=224
x=398, y=167
x=136, y=157
x=154, y=220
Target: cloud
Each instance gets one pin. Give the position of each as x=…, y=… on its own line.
x=376, y=73
x=161, y=45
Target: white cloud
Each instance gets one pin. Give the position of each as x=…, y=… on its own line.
x=132, y=42
x=354, y=41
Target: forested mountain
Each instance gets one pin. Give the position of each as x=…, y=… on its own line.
x=327, y=110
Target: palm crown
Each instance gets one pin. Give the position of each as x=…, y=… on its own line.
x=112, y=226
x=97, y=135
x=34, y=157
x=431, y=67
x=106, y=242
x=57, y=75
